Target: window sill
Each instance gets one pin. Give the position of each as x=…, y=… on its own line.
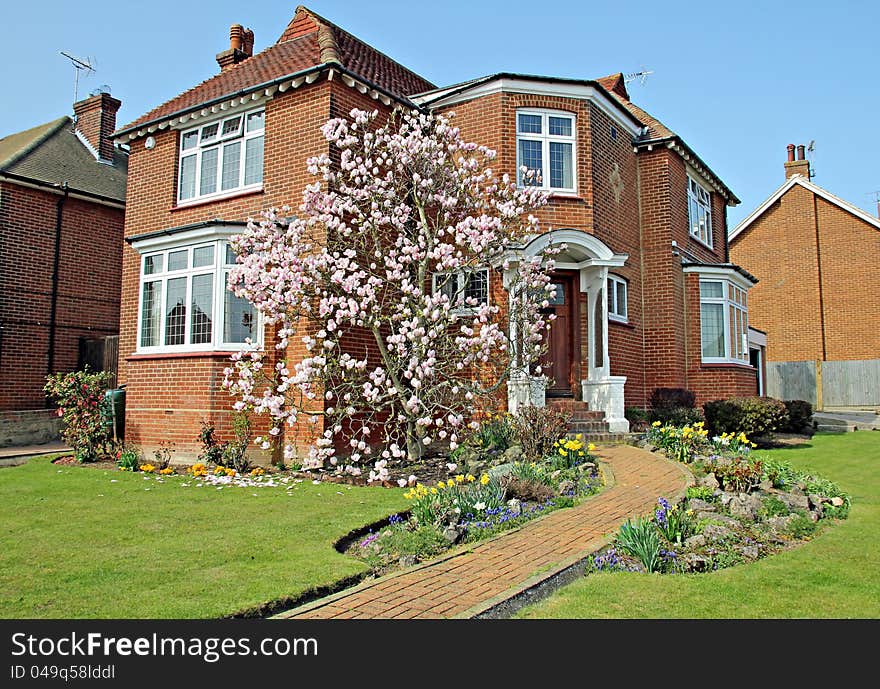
x=214, y=199
x=701, y=242
x=566, y=195
x=727, y=364
x=217, y=354
x=625, y=324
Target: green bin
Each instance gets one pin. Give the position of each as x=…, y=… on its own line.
x=117, y=412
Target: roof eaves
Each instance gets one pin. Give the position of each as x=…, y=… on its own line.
x=35, y=143
x=730, y=266
x=59, y=188
x=184, y=228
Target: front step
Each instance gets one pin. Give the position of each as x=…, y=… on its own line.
x=591, y=425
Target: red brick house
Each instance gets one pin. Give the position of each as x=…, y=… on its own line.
x=648, y=297
x=62, y=201
x=817, y=258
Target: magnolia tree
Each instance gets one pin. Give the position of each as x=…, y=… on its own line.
x=381, y=276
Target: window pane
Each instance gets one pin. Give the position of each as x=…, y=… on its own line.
x=530, y=157
x=150, y=305
x=231, y=126
x=210, y=131
x=175, y=311
x=187, y=177
x=529, y=124
x=621, y=299
x=190, y=139
x=558, y=298
x=560, y=166
x=255, y=121
x=253, y=161
x=711, y=289
x=230, y=255
x=239, y=316
x=712, y=329
x=560, y=126
x=231, y=165
x=153, y=264
x=177, y=260
x=203, y=256
x=477, y=288
x=208, y=182
x=202, y=303
x=611, y=293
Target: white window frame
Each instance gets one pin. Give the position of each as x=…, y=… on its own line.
x=459, y=275
x=699, y=199
x=219, y=269
x=735, y=352
x=546, y=138
x=219, y=142
x=615, y=313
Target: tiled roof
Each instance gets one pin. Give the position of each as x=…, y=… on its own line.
x=309, y=40
x=52, y=154
x=616, y=86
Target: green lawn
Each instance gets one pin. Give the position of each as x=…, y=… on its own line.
x=80, y=542
x=836, y=575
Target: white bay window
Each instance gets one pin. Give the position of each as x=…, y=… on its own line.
x=185, y=303
x=724, y=322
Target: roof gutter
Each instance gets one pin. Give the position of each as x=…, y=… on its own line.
x=264, y=85
x=55, y=188
x=183, y=228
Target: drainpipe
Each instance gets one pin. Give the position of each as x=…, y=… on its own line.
x=56, y=265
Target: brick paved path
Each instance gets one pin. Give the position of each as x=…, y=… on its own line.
x=474, y=578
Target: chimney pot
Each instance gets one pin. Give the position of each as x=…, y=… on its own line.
x=247, y=42
x=790, y=148
x=800, y=152
x=236, y=33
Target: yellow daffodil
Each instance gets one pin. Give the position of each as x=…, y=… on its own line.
x=484, y=479
x=459, y=478
x=470, y=478
x=591, y=447
x=656, y=424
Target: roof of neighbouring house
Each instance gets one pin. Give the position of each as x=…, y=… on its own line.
x=308, y=41
x=809, y=186
x=52, y=153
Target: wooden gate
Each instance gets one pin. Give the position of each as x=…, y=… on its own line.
x=100, y=354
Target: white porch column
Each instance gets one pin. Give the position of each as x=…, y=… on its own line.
x=523, y=389
x=601, y=390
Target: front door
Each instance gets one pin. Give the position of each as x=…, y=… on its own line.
x=558, y=362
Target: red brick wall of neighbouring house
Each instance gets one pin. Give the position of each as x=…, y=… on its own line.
x=782, y=250
x=168, y=397
x=711, y=381
x=88, y=286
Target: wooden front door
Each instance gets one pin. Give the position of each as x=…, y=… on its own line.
x=558, y=361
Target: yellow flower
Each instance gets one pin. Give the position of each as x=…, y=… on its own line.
x=121, y=468
x=470, y=478
x=656, y=424
x=562, y=452
x=434, y=491
x=591, y=447
x=166, y=471
x=459, y=478
x=148, y=468
x=484, y=479
x=231, y=472
x=578, y=436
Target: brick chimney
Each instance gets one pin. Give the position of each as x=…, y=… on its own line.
x=796, y=165
x=96, y=121
x=241, y=47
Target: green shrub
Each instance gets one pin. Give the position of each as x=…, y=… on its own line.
x=780, y=474
x=774, y=507
x=741, y=475
x=641, y=539
x=754, y=416
x=800, y=417
x=700, y=493
x=801, y=527
x=638, y=418
x=86, y=411
x=128, y=458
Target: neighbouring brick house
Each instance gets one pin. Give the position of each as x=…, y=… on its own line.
x=62, y=201
x=817, y=257
x=648, y=298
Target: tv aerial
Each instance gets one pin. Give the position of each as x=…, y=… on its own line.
x=79, y=65
x=641, y=77
x=811, y=148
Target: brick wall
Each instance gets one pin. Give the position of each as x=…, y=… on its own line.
x=781, y=248
x=88, y=286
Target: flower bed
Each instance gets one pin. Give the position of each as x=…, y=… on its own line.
x=466, y=508
x=742, y=508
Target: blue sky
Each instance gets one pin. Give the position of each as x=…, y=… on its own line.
x=737, y=81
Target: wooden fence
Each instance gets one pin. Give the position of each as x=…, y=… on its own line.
x=100, y=354
x=826, y=383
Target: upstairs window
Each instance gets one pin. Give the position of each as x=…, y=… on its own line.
x=221, y=157
x=466, y=290
x=617, y=306
x=545, y=143
x=724, y=322
x=699, y=212
x=185, y=304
